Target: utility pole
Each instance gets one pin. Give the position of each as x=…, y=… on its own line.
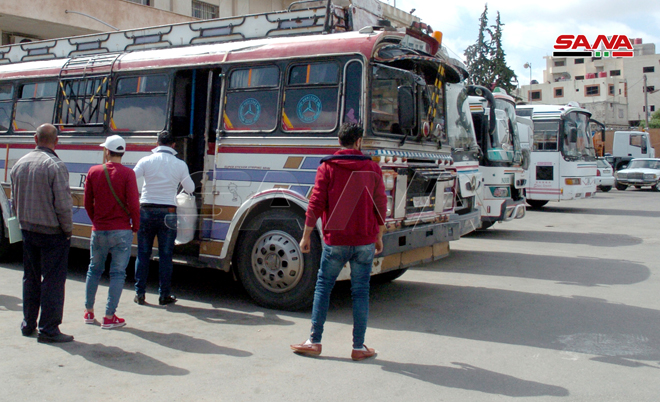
x=646, y=103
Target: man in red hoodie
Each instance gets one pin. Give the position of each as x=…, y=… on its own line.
x=349, y=197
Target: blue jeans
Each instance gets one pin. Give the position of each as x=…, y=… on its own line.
x=45, y=262
x=118, y=244
x=333, y=260
x=161, y=223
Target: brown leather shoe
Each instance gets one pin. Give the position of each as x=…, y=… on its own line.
x=310, y=349
x=362, y=354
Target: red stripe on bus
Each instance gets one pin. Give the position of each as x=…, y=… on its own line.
x=81, y=147
x=277, y=150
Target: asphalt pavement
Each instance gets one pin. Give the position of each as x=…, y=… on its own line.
x=561, y=305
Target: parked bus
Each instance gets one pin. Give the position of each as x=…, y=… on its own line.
x=465, y=153
x=502, y=162
x=563, y=161
x=254, y=105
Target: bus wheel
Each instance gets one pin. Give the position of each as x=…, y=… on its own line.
x=605, y=188
x=5, y=247
x=388, y=276
x=620, y=187
x=537, y=204
x=270, y=265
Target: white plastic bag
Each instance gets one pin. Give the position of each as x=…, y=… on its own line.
x=186, y=218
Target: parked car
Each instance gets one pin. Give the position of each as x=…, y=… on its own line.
x=604, y=176
x=641, y=172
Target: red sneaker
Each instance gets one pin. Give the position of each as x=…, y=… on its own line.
x=358, y=355
x=114, y=322
x=307, y=349
x=89, y=317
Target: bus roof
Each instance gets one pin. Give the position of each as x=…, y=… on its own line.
x=252, y=50
x=551, y=111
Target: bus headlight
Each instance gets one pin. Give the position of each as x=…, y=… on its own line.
x=572, y=182
x=500, y=192
x=649, y=176
x=448, y=199
x=389, y=178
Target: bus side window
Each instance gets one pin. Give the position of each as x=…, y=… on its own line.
x=83, y=102
x=6, y=106
x=311, y=97
x=252, y=99
x=353, y=93
x=35, y=105
x=140, y=103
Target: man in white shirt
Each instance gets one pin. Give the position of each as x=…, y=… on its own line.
x=162, y=172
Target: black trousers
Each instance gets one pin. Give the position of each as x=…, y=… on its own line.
x=45, y=262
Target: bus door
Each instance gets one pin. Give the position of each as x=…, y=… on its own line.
x=192, y=123
x=545, y=170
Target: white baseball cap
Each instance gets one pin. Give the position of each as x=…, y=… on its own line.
x=115, y=143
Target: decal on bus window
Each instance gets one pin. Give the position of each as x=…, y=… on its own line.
x=309, y=108
x=249, y=111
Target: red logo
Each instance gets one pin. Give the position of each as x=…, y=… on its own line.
x=603, y=46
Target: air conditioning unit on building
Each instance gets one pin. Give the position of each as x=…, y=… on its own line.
x=13, y=39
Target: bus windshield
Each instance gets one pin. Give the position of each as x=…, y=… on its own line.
x=460, y=129
x=576, y=140
x=384, y=101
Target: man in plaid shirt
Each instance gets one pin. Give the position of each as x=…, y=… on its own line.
x=42, y=197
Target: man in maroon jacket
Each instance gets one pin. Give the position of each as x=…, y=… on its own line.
x=112, y=203
x=349, y=197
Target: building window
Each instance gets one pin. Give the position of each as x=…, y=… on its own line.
x=615, y=73
x=620, y=113
x=143, y=2
x=535, y=95
x=579, y=61
x=560, y=63
x=652, y=108
x=559, y=92
x=579, y=77
x=610, y=89
x=592, y=90
x=650, y=69
x=204, y=11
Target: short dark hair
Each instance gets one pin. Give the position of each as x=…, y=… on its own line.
x=115, y=154
x=349, y=133
x=165, y=138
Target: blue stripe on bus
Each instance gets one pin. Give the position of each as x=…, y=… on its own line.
x=302, y=190
x=266, y=176
x=214, y=230
x=311, y=162
x=80, y=216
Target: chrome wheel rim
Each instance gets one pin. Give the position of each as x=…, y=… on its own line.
x=277, y=261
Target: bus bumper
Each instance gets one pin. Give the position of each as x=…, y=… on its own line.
x=467, y=223
x=510, y=210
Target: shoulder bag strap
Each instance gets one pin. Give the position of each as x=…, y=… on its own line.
x=107, y=176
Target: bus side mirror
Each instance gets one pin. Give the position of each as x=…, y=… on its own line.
x=406, y=103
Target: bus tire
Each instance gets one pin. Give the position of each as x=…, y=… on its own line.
x=486, y=224
x=5, y=247
x=605, y=189
x=270, y=265
x=388, y=276
x=537, y=204
x=620, y=187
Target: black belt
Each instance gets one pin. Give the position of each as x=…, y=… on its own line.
x=156, y=206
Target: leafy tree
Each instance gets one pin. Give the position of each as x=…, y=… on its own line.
x=654, y=122
x=502, y=75
x=477, y=55
x=486, y=59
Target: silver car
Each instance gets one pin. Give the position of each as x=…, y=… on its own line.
x=641, y=172
x=604, y=177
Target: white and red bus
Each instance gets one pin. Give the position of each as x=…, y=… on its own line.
x=252, y=119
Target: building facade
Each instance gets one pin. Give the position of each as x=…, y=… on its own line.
x=611, y=88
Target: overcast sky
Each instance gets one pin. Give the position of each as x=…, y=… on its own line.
x=531, y=27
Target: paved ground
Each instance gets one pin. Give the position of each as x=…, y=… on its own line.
x=562, y=305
